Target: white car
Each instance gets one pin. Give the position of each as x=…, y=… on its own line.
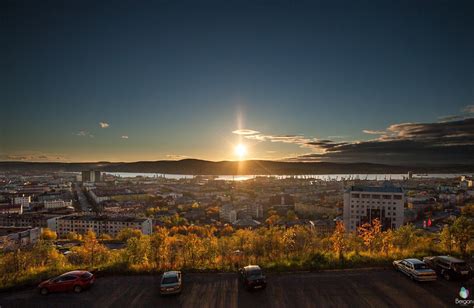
x=171, y=283
x=415, y=269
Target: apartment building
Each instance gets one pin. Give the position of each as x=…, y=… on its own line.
x=26, y=220
x=362, y=204
x=23, y=200
x=56, y=204
x=14, y=237
x=91, y=176
x=227, y=213
x=7, y=208
x=101, y=224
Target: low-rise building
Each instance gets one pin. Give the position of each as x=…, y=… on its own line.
x=56, y=204
x=14, y=237
x=101, y=224
x=8, y=208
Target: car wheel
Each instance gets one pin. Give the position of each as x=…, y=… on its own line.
x=44, y=291
x=77, y=289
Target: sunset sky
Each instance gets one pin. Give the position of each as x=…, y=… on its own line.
x=380, y=81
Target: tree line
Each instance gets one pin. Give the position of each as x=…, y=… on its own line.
x=206, y=248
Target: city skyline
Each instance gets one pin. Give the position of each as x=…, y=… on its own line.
x=340, y=82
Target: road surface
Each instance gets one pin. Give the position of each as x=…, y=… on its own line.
x=356, y=288
x=85, y=206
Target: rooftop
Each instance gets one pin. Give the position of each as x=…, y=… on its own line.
x=103, y=218
x=387, y=188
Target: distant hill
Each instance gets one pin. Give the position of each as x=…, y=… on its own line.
x=250, y=167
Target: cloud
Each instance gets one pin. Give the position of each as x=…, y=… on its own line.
x=406, y=143
x=32, y=156
x=337, y=137
x=450, y=118
x=124, y=137
x=294, y=139
x=373, y=132
x=469, y=109
x=245, y=132
x=84, y=133
x=104, y=124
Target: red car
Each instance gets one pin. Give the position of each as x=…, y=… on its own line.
x=72, y=281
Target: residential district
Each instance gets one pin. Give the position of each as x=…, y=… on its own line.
x=74, y=203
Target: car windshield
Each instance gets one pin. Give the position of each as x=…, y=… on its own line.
x=255, y=273
x=420, y=266
x=168, y=280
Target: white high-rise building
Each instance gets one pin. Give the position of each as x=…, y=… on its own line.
x=363, y=204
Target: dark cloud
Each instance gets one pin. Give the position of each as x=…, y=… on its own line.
x=450, y=118
x=407, y=143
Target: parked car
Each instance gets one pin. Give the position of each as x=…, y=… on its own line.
x=171, y=283
x=415, y=269
x=449, y=267
x=71, y=281
x=252, y=277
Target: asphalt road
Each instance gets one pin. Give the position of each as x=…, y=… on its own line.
x=85, y=206
x=357, y=288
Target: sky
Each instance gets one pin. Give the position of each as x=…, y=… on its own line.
x=343, y=81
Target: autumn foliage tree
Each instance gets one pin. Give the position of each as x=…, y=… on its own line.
x=91, y=252
x=338, y=240
x=371, y=234
x=48, y=234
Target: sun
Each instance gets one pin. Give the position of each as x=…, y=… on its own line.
x=240, y=150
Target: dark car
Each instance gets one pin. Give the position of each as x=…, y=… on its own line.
x=252, y=277
x=449, y=267
x=72, y=281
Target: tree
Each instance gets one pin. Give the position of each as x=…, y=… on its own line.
x=446, y=239
x=73, y=236
x=227, y=230
x=48, y=234
x=468, y=210
x=273, y=220
x=462, y=231
x=288, y=241
x=405, y=236
x=371, y=234
x=128, y=233
x=137, y=251
x=338, y=240
x=387, y=241
x=91, y=252
x=291, y=215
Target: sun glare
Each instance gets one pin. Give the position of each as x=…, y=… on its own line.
x=240, y=150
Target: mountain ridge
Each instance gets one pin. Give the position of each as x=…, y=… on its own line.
x=248, y=167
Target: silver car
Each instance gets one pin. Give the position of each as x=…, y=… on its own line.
x=171, y=283
x=415, y=269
